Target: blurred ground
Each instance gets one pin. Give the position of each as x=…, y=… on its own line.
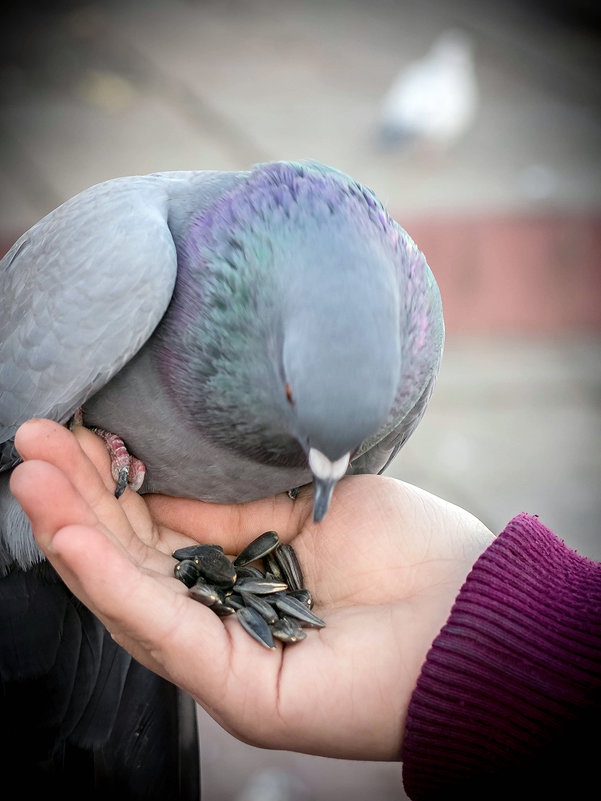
x=509, y=220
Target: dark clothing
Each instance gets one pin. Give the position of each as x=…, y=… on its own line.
x=508, y=701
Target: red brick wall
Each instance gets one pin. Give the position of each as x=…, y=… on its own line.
x=514, y=274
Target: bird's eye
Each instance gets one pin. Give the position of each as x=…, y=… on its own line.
x=289, y=394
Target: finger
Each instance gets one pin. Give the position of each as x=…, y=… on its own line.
x=80, y=454
x=53, y=443
x=52, y=503
x=144, y=611
x=140, y=607
x=49, y=499
x=156, y=621
x=80, y=458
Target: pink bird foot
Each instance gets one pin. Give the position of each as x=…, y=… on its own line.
x=127, y=470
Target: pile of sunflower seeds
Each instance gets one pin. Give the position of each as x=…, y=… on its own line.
x=269, y=602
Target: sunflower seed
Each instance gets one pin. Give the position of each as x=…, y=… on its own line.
x=290, y=568
x=272, y=567
x=303, y=595
x=223, y=610
x=190, y=551
x=255, y=626
x=249, y=571
x=297, y=609
x=207, y=595
x=258, y=548
x=269, y=603
x=216, y=568
x=287, y=631
x=235, y=600
x=186, y=571
x=259, y=586
x=262, y=605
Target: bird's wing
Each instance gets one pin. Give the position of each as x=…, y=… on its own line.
x=422, y=334
x=378, y=456
x=81, y=292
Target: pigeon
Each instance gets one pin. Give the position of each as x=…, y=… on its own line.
x=242, y=334
x=432, y=101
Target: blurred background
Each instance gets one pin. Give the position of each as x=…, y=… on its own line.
x=497, y=178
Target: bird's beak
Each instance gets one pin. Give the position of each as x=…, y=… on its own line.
x=325, y=475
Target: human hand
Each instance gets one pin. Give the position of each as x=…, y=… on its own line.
x=384, y=568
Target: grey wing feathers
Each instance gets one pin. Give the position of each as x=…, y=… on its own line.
x=377, y=458
x=81, y=292
x=422, y=354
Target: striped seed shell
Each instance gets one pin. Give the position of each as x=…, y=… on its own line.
x=262, y=605
x=257, y=549
x=303, y=595
x=235, y=600
x=190, y=551
x=290, y=568
x=249, y=571
x=254, y=624
x=216, y=568
x=272, y=567
x=294, y=608
x=288, y=631
x=186, y=571
x=223, y=610
x=259, y=586
x=207, y=595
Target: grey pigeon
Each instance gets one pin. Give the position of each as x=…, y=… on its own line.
x=243, y=332
x=432, y=101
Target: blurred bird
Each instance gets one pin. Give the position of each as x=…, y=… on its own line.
x=432, y=101
x=244, y=333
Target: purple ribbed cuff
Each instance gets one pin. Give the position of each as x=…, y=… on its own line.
x=509, y=692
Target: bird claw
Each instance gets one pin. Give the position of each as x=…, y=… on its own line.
x=76, y=420
x=121, y=481
x=127, y=470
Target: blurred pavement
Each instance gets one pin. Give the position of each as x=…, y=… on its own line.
x=509, y=219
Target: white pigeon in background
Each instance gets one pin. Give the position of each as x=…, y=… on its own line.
x=432, y=101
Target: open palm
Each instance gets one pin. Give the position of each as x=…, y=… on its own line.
x=384, y=567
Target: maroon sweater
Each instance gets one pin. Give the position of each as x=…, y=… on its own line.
x=508, y=703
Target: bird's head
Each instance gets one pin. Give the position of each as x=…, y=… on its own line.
x=341, y=353
x=289, y=321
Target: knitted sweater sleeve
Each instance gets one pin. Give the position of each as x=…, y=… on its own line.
x=508, y=701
